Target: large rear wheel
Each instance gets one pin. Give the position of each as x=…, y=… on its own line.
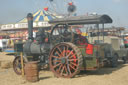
x=65, y=60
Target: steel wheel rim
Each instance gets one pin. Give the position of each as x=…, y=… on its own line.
x=16, y=65
x=64, y=63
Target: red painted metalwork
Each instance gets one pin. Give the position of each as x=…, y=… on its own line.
x=89, y=49
x=71, y=52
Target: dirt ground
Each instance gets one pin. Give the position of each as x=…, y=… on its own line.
x=103, y=76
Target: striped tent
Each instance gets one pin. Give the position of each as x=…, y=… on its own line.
x=41, y=15
x=40, y=19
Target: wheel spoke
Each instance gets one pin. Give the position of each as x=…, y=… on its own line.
x=67, y=50
x=64, y=52
x=72, y=67
x=58, y=54
x=16, y=64
x=72, y=59
x=62, y=70
x=73, y=63
x=59, y=50
x=72, y=55
x=66, y=70
x=55, y=56
x=18, y=70
x=56, y=65
x=17, y=61
x=55, y=61
x=69, y=53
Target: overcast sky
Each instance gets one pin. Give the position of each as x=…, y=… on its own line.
x=14, y=10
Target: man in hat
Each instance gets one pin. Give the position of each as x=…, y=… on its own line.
x=80, y=39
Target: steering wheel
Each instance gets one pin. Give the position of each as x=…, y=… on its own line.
x=61, y=33
x=67, y=36
x=57, y=39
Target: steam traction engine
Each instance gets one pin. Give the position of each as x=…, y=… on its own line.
x=66, y=51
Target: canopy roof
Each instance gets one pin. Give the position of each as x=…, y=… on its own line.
x=40, y=15
x=92, y=19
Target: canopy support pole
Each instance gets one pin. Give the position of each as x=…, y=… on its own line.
x=98, y=31
x=103, y=32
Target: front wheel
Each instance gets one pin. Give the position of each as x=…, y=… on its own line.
x=17, y=65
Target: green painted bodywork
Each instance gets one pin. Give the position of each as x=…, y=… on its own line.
x=96, y=60
x=90, y=61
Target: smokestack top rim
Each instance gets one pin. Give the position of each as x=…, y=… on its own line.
x=30, y=16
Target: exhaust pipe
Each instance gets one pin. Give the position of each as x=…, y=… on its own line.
x=30, y=26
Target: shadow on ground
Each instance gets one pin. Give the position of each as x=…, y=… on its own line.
x=42, y=78
x=10, y=54
x=102, y=71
